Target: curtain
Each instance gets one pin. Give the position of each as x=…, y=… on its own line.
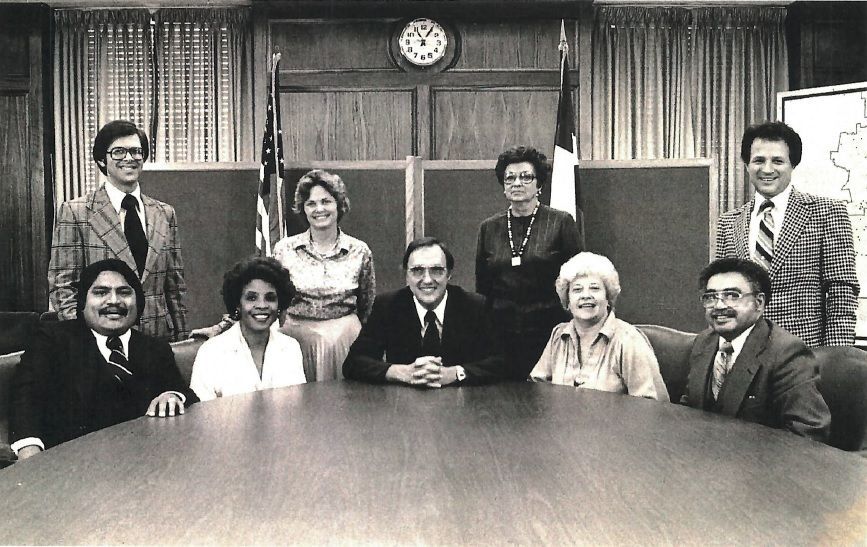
x=183, y=75
x=685, y=83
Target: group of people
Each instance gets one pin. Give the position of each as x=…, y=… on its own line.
x=543, y=310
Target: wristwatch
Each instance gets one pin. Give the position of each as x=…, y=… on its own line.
x=460, y=373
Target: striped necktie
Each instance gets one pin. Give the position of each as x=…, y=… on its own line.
x=118, y=361
x=764, y=253
x=721, y=367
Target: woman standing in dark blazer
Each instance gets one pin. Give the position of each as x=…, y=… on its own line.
x=518, y=257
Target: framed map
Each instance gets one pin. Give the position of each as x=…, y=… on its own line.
x=832, y=123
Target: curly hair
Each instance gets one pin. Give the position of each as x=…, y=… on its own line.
x=268, y=270
x=755, y=273
x=775, y=132
x=582, y=265
x=330, y=182
x=520, y=154
x=112, y=131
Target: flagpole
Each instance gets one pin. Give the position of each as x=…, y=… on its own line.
x=275, y=61
x=565, y=158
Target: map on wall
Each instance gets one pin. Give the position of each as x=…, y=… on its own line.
x=832, y=123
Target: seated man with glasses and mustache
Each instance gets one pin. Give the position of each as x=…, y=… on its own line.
x=747, y=367
x=430, y=334
x=95, y=371
x=119, y=221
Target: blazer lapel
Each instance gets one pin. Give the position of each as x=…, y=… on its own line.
x=410, y=328
x=742, y=230
x=157, y=232
x=798, y=212
x=105, y=222
x=450, y=320
x=741, y=375
x=701, y=363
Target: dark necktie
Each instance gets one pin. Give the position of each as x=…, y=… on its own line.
x=134, y=233
x=764, y=254
x=117, y=360
x=430, y=345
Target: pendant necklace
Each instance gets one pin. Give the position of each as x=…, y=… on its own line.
x=516, y=255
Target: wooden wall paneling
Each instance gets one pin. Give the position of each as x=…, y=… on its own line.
x=511, y=45
x=827, y=45
x=471, y=123
x=338, y=44
x=16, y=266
x=339, y=124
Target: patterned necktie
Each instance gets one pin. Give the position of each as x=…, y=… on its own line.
x=764, y=254
x=430, y=345
x=118, y=360
x=134, y=233
x=721, y=367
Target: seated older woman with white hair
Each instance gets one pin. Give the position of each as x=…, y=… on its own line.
x=595, y=350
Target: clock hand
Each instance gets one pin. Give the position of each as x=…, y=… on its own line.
x=428, y=32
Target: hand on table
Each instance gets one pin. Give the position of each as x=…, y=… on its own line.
x=166, y=405
x=426, y=371
x=27, y=451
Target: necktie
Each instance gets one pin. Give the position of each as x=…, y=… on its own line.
x=764, y=254
x=721, y=367
x=134, y=232
x=117, y=360
x=430, y=345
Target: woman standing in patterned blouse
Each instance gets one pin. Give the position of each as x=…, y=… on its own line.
x=518, y=257
x=333, y=276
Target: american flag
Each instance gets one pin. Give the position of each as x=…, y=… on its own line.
x=565, y=194
x=270, y=223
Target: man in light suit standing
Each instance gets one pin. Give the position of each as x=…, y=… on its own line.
x=804, y=241
x=748, y=367
x=118, y=221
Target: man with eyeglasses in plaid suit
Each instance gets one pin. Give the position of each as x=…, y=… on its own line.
x=804, y=241
x=118, y=221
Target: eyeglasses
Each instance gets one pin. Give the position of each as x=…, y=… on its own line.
x=119, y=152
x=708, y=299
x=434, y=271
x=525, y=178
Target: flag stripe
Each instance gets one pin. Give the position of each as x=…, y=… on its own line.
x=270, y=222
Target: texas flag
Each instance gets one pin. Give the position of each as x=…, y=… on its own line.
x=565, y=194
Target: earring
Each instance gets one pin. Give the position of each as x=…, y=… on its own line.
x=236, y=315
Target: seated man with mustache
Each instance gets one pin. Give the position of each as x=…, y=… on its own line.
x=92, y=372
x=746, y=366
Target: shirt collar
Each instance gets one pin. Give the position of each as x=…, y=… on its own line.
x=304, y=242
x=439, y=311
x=738, y=343
x=102, y=341
x=607, y=330
x=780, y=201
x=116, y=196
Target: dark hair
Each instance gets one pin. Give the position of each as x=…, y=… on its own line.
x=755, y=273
x=772, y=131
x=91, y=272
x=112, y=131
x=428, y=241
x=257, y=267
x=519, y=154
x=332, y=184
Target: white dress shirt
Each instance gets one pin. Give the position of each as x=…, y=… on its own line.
x=781, y=202
x=439, y=311
x=224, y=365
x=737, y=345
x=116, y=196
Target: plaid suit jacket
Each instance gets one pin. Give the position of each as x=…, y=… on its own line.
x=814, y=288
x=87, y=229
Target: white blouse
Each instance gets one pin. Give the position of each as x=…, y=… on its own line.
x=224, y=365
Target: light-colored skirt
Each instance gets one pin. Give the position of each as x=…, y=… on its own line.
x=324, y=343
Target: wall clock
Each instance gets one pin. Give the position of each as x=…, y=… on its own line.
x=423, y=42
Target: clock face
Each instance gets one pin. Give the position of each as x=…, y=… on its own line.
x=423, y=42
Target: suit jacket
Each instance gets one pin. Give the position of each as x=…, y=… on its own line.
x=393, y=330
x=772, y=382
x=813, y=281
x=87, y=229
x=63, y=388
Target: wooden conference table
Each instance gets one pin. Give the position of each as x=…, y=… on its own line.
x=341, y=463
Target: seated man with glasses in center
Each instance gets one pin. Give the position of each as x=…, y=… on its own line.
x=747, y=367
x=430, y=334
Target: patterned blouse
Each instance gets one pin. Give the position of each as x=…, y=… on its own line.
x=332, y=285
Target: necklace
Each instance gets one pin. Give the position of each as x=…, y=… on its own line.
x=323, y=254
x=516, y=256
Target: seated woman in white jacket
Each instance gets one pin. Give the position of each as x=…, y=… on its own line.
x=251, y=355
